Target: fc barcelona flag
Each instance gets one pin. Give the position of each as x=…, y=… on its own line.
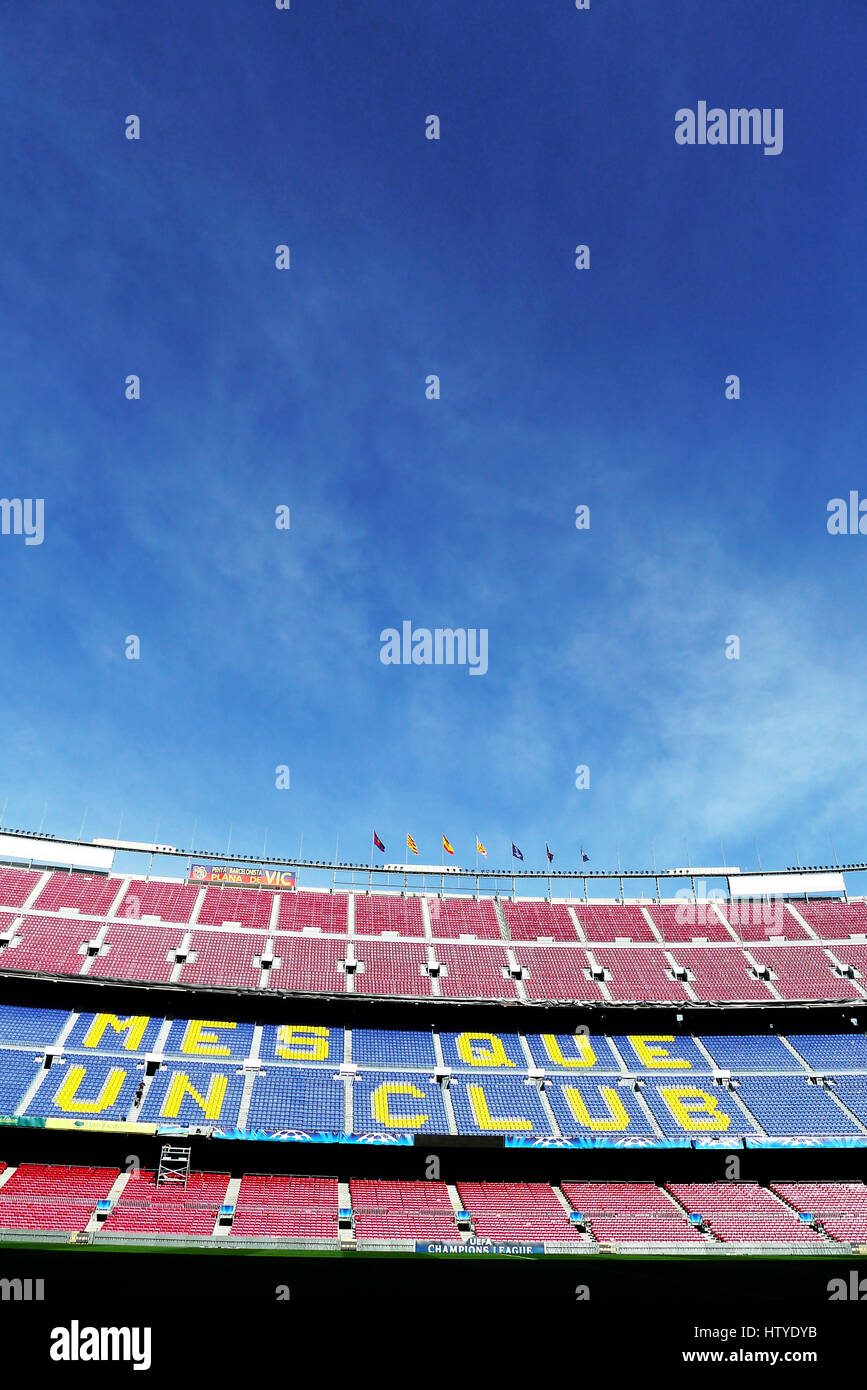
x=411, y=844
x=378, y=842
x=446, y=846
x=549, y=854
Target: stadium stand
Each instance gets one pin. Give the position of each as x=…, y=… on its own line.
x=302, y=1210
x=688, y=921
x=308, y=964
x=557, y=973
x=16, y=885
x=270, y=1206
x=804, y=974
x=392, y=968
x=90, y=894
x=302, y=911
x=400, y=1210
x=50, y=945
x=376, y=913
x=664, y=965
x=634, y=976
x=601, y=922
x=755, y=921
x=168, y=1208
x=659, y=1085
x=516, y=1211
x=137, y=952
x=474, y=972
x=171, y=902
x=530, y=921
x=454, y=917
x=833, y=920
x=245, y=907
x=718, y=973
x=52, y=1198
x=224, y=958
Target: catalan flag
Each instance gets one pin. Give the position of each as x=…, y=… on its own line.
x=446, y=846
x=480, y=849
x=378, y=842
x=411, y=844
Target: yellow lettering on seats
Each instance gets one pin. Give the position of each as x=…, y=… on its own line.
x=619, y=1116
x=196, y=1040
x=381, y=1111
x=678, y=1099
x=492, y=1056
x=484, y=1118
x=301, y=1042
x=134, y=1027
x=65, y=1098
x=658, y=1057
x=586, y=1056
x=181, y=1086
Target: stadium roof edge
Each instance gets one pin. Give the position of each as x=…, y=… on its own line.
x=42, y=843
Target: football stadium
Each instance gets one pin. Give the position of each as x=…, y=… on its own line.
x=433, y=754
x=430, y=1062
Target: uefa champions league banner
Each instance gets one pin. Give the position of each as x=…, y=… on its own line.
x=805, y=1141
x=478, y=1247
x=286, y=1136
x=297, y=1136
x=595, y=1141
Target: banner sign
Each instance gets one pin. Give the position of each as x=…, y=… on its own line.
x=111, y=1126
x=473, y=1247
x=284, y=879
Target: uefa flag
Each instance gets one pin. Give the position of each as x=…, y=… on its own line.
x=480, y=849
x=446, y=846
x=378, y=842
x=516, y=853
x=411, y=844
x=585, y=858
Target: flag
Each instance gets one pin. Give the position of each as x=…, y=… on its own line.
x=411, y=844
x=516, y=853
x=549, y=854
x=378, y=842
x=585, y=858
x=480, y=849
x=446, y=846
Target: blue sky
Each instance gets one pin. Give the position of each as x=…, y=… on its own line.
x=306, y=387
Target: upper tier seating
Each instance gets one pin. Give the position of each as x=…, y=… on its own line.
x=251, y=907
x=16, y=885
x=601, y=922
x=91, y=894
x=172, y=902
x=454, y=917
x=378, y=912
x=528, y=921
x=831, y=919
